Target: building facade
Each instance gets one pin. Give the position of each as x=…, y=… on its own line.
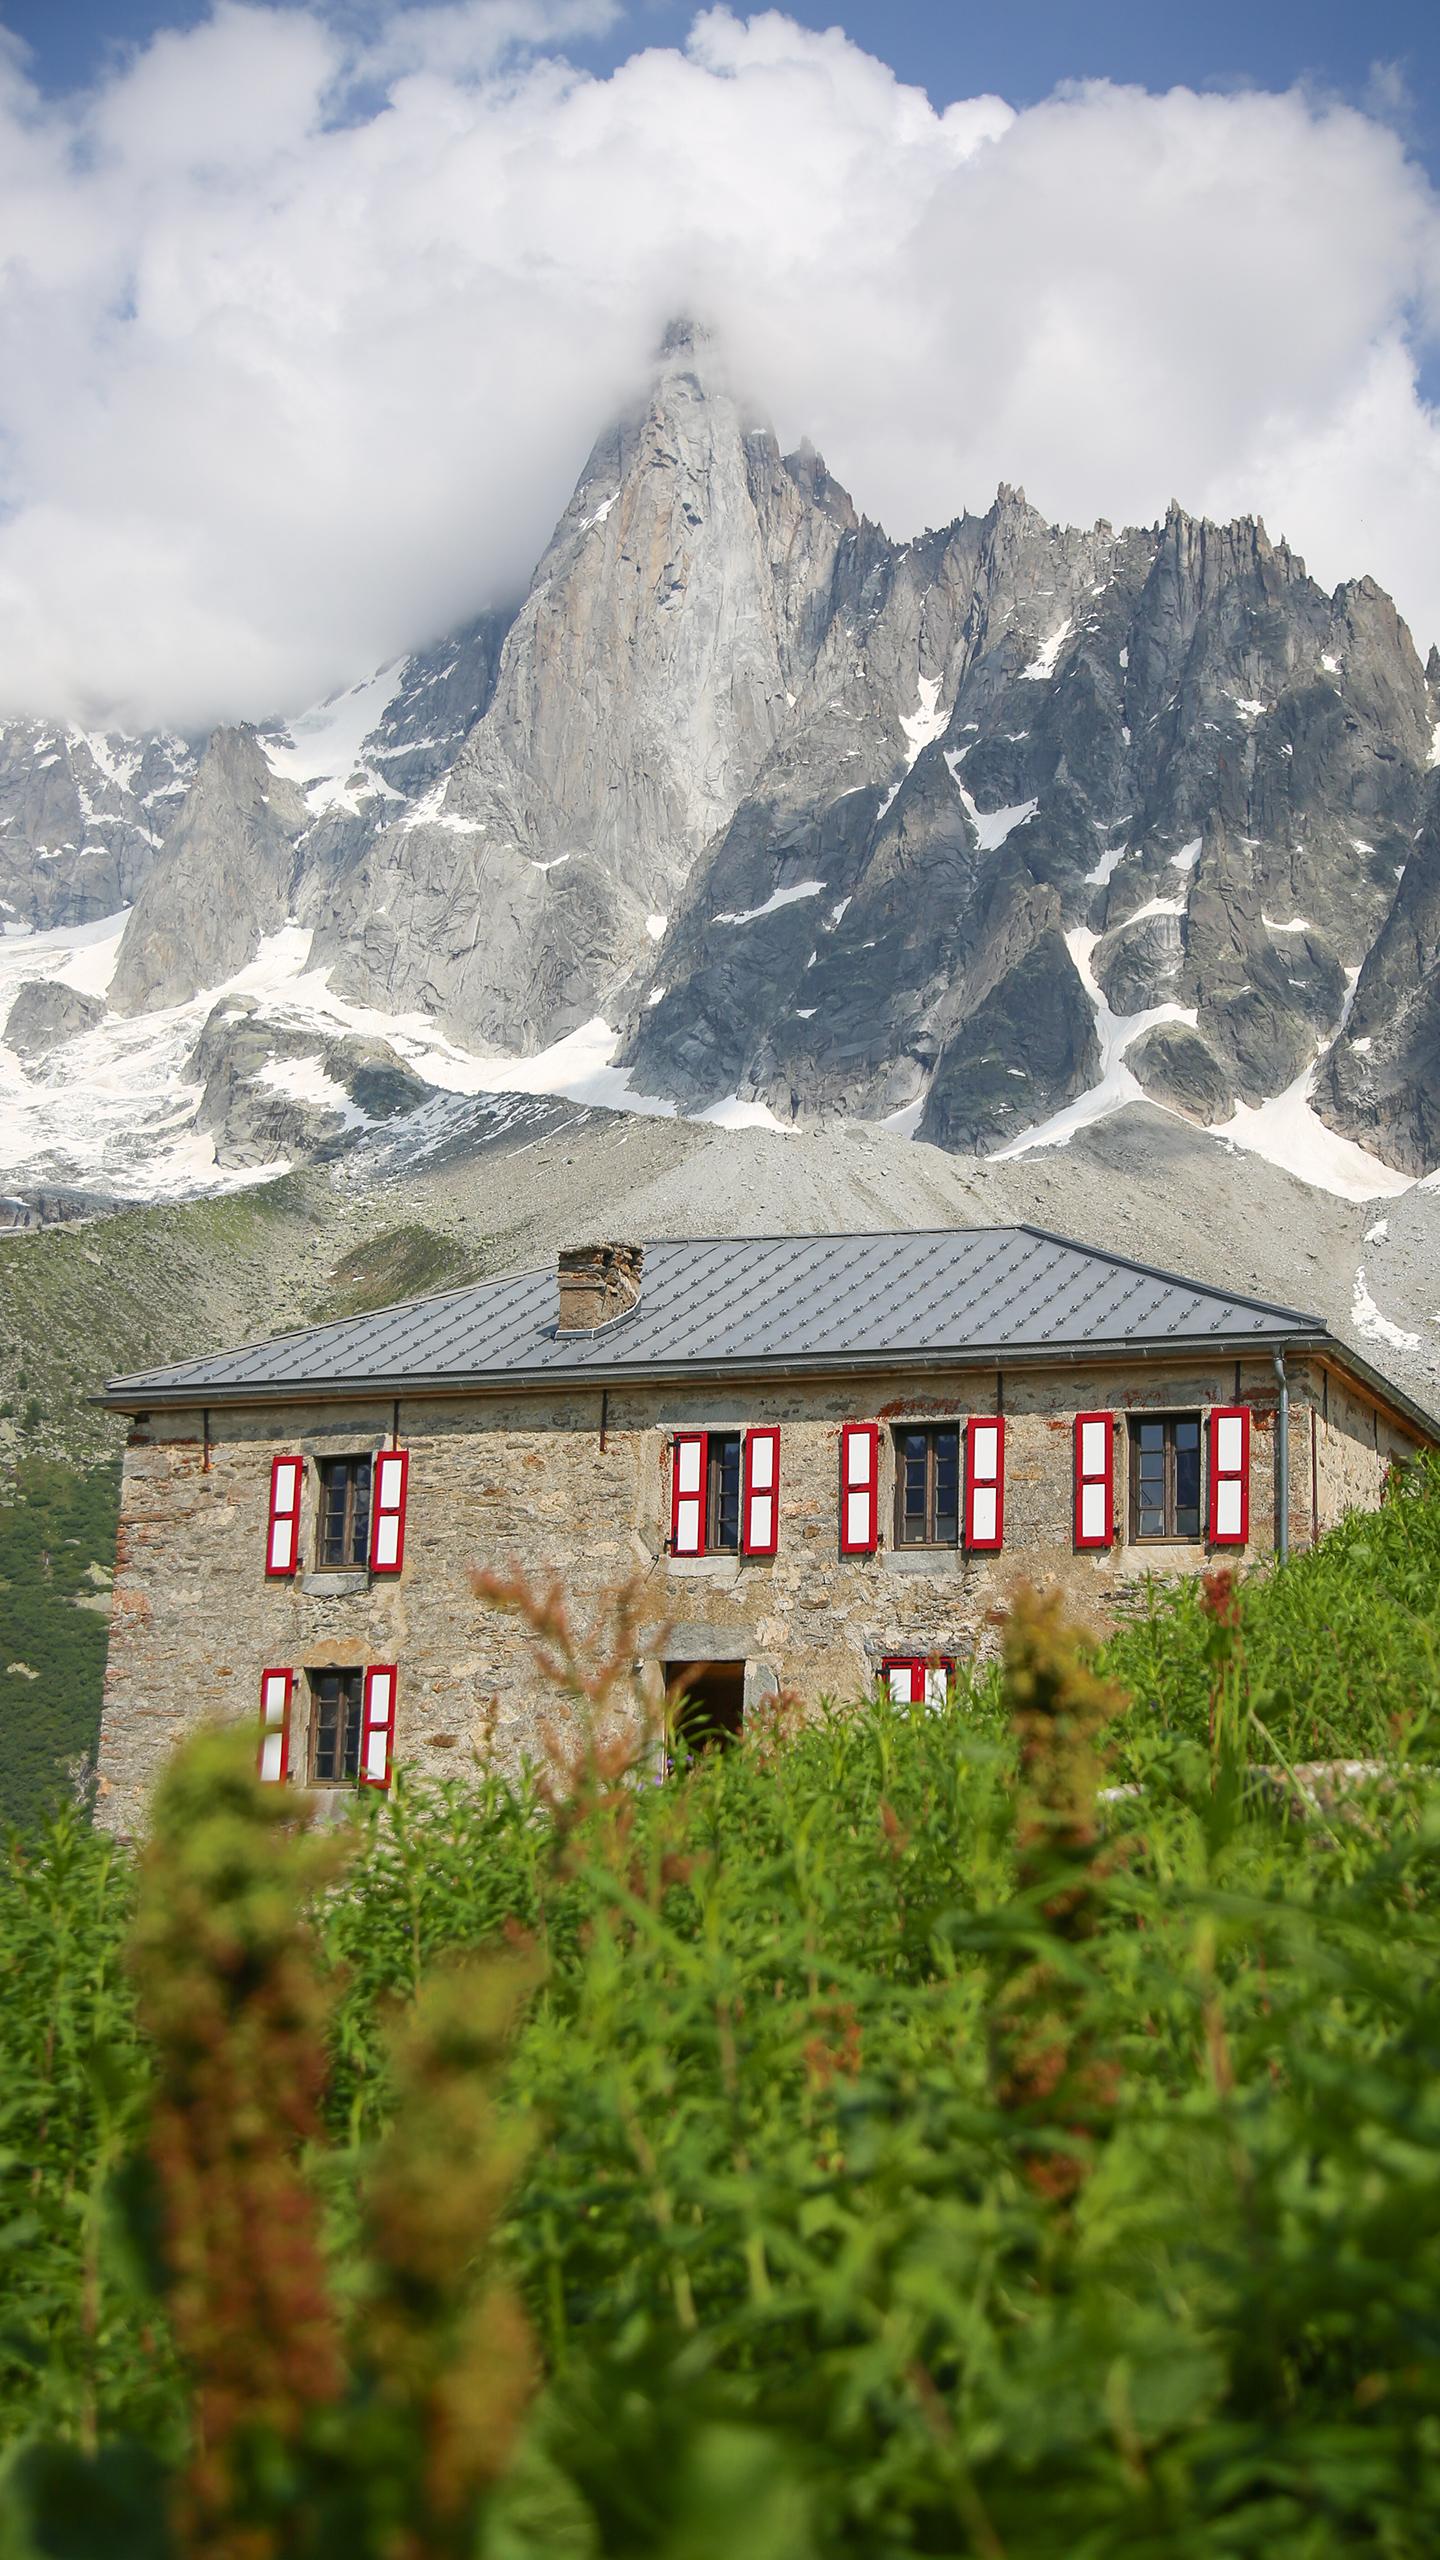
x=825, y=1462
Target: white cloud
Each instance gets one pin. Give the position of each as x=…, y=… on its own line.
x=304, y=331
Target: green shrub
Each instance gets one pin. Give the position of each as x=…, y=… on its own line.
x=922, y=2152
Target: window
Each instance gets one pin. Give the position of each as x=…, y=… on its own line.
x=722, y=1493
x=336, y=1714
x=1164, y=1476
x=345, y=1511
x=927, y=1488
x=918, y=1679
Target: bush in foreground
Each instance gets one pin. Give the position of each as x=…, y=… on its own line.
x=885, y=2144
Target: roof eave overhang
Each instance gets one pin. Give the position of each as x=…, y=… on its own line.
x=126, y=1395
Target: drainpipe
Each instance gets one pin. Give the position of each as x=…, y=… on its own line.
x=1282, y=1459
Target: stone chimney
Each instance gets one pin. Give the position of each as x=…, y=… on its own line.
x=598, y=1282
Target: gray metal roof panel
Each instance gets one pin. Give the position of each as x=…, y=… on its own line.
x=757, y=1301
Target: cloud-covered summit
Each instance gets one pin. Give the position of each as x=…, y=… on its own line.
x=305, y=321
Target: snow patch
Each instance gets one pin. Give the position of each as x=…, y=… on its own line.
x=1367, y=1319
x=1187, y=857
x=321, y=749
x=1290, y=1133
x=1154, y=907
x=1042, y=666
x=1118, y=1084
x=1294, y=924
x=1330, y=665
x=927, y=720
x=1379, y=1233
x=778, y=898
x=991, y=826
x=657, y=927
x=306, y=1080
x=1107, y=866
x=1248, y=710
x=735, y=1114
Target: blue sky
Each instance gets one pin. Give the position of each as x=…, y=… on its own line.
x=953, y=48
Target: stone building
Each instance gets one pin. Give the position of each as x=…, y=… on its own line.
x=829, y=1458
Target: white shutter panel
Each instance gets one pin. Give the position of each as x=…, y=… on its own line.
x=985, y=1483
x=282, y=1541
x=687, y=1494
x=387, y=1511
x=761, y=1509
x=1094, y=1479
x=859, y=1488
x=1230, y=1476
x=377, y=1727
x=273, y=1756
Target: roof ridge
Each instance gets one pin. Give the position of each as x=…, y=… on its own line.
x=1175, y=1279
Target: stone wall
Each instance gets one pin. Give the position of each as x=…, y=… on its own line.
x=1351, y=1444
x=559, y=1485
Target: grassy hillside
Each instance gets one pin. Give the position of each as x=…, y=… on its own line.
x=895, y=2146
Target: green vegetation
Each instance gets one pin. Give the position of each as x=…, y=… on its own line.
x=871, y=2141
x=57, y=1555
x=404, y=1262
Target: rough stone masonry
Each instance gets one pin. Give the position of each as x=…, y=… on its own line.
x=573, y=1476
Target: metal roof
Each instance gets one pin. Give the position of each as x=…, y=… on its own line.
x=737, y=1305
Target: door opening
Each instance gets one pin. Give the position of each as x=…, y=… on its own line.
x=710, y=1706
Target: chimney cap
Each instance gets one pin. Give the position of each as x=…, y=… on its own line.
x=598, y=1283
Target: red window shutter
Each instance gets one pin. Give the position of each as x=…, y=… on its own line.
x=282, y=1542
x=918, y=1679
x=1230, y=1476
x=377, y=1725
x=859, y=1488
x=687, y=1493
x=985, y=1483
x=387, y=1511
x=272, y=1759
x=1094, y=1479
x=760, y=1508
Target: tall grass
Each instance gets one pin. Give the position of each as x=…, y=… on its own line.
x=894, y=2146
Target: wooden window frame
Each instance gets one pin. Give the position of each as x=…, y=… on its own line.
x=348, y=1563
x=355, y=1673
x=715, y=1442
x=1169, y=1535
x=931, y=1431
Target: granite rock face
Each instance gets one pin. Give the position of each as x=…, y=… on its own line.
x=82, y=819
x=45, y=1014
x=954, y=831
x=271, y=1092
x=1381, y=1082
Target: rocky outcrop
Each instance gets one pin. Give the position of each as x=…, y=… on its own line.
x=224, y=881
x=44, y=1015
x=1177, y=1068
x=82, y=819
x=269, y=1092
x=1381, y=1082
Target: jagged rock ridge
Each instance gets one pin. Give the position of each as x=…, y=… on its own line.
x=956, y=833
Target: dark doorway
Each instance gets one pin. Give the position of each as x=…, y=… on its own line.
x=711, y=1703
